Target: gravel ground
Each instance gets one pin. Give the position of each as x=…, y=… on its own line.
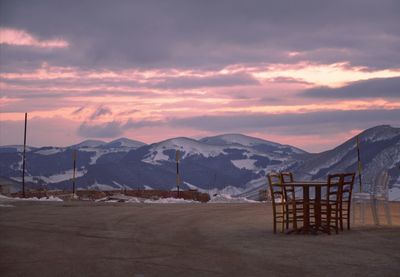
x=80, y=238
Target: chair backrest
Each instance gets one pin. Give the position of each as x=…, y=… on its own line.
x=287, y=177
x=347, y=186
x=333, y=188
x=275, y=186
x=289, y=191
x=381, y=186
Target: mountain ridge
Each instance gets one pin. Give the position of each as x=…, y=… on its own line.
x=212, y=162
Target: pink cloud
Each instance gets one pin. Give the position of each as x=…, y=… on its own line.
x=22, y=38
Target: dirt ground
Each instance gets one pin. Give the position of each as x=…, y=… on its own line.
x=121, y=239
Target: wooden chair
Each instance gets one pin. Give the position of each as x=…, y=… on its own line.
x=345, y=201
x=330, y=204
x=294, y=204
x=278, y=200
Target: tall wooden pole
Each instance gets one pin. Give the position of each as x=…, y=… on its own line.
x=23, y=157
x=74, y=171
x=177, y=170
x=359, y=163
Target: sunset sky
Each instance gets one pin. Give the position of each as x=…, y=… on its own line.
x=306, y=73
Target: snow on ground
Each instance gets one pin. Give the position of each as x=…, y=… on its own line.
x=187, y=146
x=50, y=198
x=248, y=164
x=228, y=190
x=224, y=198
x=63, y=176
x=66, y=175
x=27, y=179
x=148, y=187
x=121, y=186
x=120, y=198
x=50, y=151
x=170, y=201
x=97, y=153
x=98, y=186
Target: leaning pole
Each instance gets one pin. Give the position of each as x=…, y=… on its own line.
x=74, y=171
x=177, y=170
x=23, y=157
x=359, y=163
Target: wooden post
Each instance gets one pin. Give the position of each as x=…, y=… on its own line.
x=74, y=171
x=359, y=163
x=23, y=158
x=177, y=170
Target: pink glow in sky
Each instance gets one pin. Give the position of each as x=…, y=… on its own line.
x=153, y=73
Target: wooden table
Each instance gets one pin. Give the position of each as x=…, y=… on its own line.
x=307, y=228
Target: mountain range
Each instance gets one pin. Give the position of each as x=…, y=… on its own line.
x=233, y=162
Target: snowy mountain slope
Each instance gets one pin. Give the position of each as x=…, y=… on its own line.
x=255, y=143
x=124, y=143
x=88, y=144
x=379, y=149
x=211, y=163
x=165, y=150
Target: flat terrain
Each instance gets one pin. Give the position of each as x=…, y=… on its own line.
x=121, y=239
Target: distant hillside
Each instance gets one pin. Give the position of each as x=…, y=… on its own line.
x=234, y=160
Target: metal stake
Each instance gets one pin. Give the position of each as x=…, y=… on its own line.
x=23, y=158
x=177, y=170
x=74, y=170
x=359, y=163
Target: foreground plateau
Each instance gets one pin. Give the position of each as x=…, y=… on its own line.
x=78, y=238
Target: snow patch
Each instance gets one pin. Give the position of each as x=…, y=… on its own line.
x=187, y=147
x=170, y=201
x=248, y=164
x=98, y=186
x=45, y=199
x=66, y=175
x=224, y=198
x=51, y=151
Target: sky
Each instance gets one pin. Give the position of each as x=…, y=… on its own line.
x=311, y=74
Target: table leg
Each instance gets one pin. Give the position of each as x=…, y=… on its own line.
x=317, y=207
x=306, y=209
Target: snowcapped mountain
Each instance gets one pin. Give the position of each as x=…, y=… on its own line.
x=256, y=143
x=235, y=161
x=88, y=144
x=379, y=150
x=165, y=150
x=124, y=143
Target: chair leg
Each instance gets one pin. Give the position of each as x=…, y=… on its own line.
x=348, y=216
x=336, y=225
x=274, y=225
x=374, y=207
x=353, y=214
x=328, y=220
x=362, y=212
x=387, y=213
x=341, y=218
x=287, y=216
x=294, y=215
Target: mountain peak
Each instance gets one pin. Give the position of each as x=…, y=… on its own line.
x=228, y=139
x=380, y=132
x=125, y=142
x=89, y=143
